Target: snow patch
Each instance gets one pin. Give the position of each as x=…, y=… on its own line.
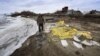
x=78, y=45
x=64, y=43
x=15, y=33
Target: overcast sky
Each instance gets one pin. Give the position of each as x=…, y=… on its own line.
x=45, y=6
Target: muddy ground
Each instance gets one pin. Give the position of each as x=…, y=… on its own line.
x=41, y=45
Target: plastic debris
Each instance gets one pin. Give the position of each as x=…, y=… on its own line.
x=64, y=43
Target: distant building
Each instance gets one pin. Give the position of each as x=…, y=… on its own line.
x=94, y=12
x=97, y=12
x=63, y=11
x=70, y=12
x=73, y=12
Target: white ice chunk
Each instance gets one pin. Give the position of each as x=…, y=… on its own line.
x=96, y=43
x=67, y=25
x=64, y=43
x=48, y=27
x=76, y=39
x=78, y=45
x=90, y=43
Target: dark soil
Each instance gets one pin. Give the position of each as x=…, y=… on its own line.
x=39, y=45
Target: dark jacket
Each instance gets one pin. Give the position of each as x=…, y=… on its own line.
x=40, y=20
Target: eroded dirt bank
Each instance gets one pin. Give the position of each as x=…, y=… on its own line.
x=40, y=45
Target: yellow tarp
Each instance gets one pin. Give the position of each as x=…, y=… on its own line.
x=85, y=34
x=63, y=31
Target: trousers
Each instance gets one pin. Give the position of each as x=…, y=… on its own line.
x=41, y=28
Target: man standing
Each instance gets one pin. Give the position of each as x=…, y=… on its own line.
x=40, y=22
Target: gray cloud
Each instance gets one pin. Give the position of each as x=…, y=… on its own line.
x=43, y=6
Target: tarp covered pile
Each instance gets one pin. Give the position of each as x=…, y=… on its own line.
x=63, y=32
